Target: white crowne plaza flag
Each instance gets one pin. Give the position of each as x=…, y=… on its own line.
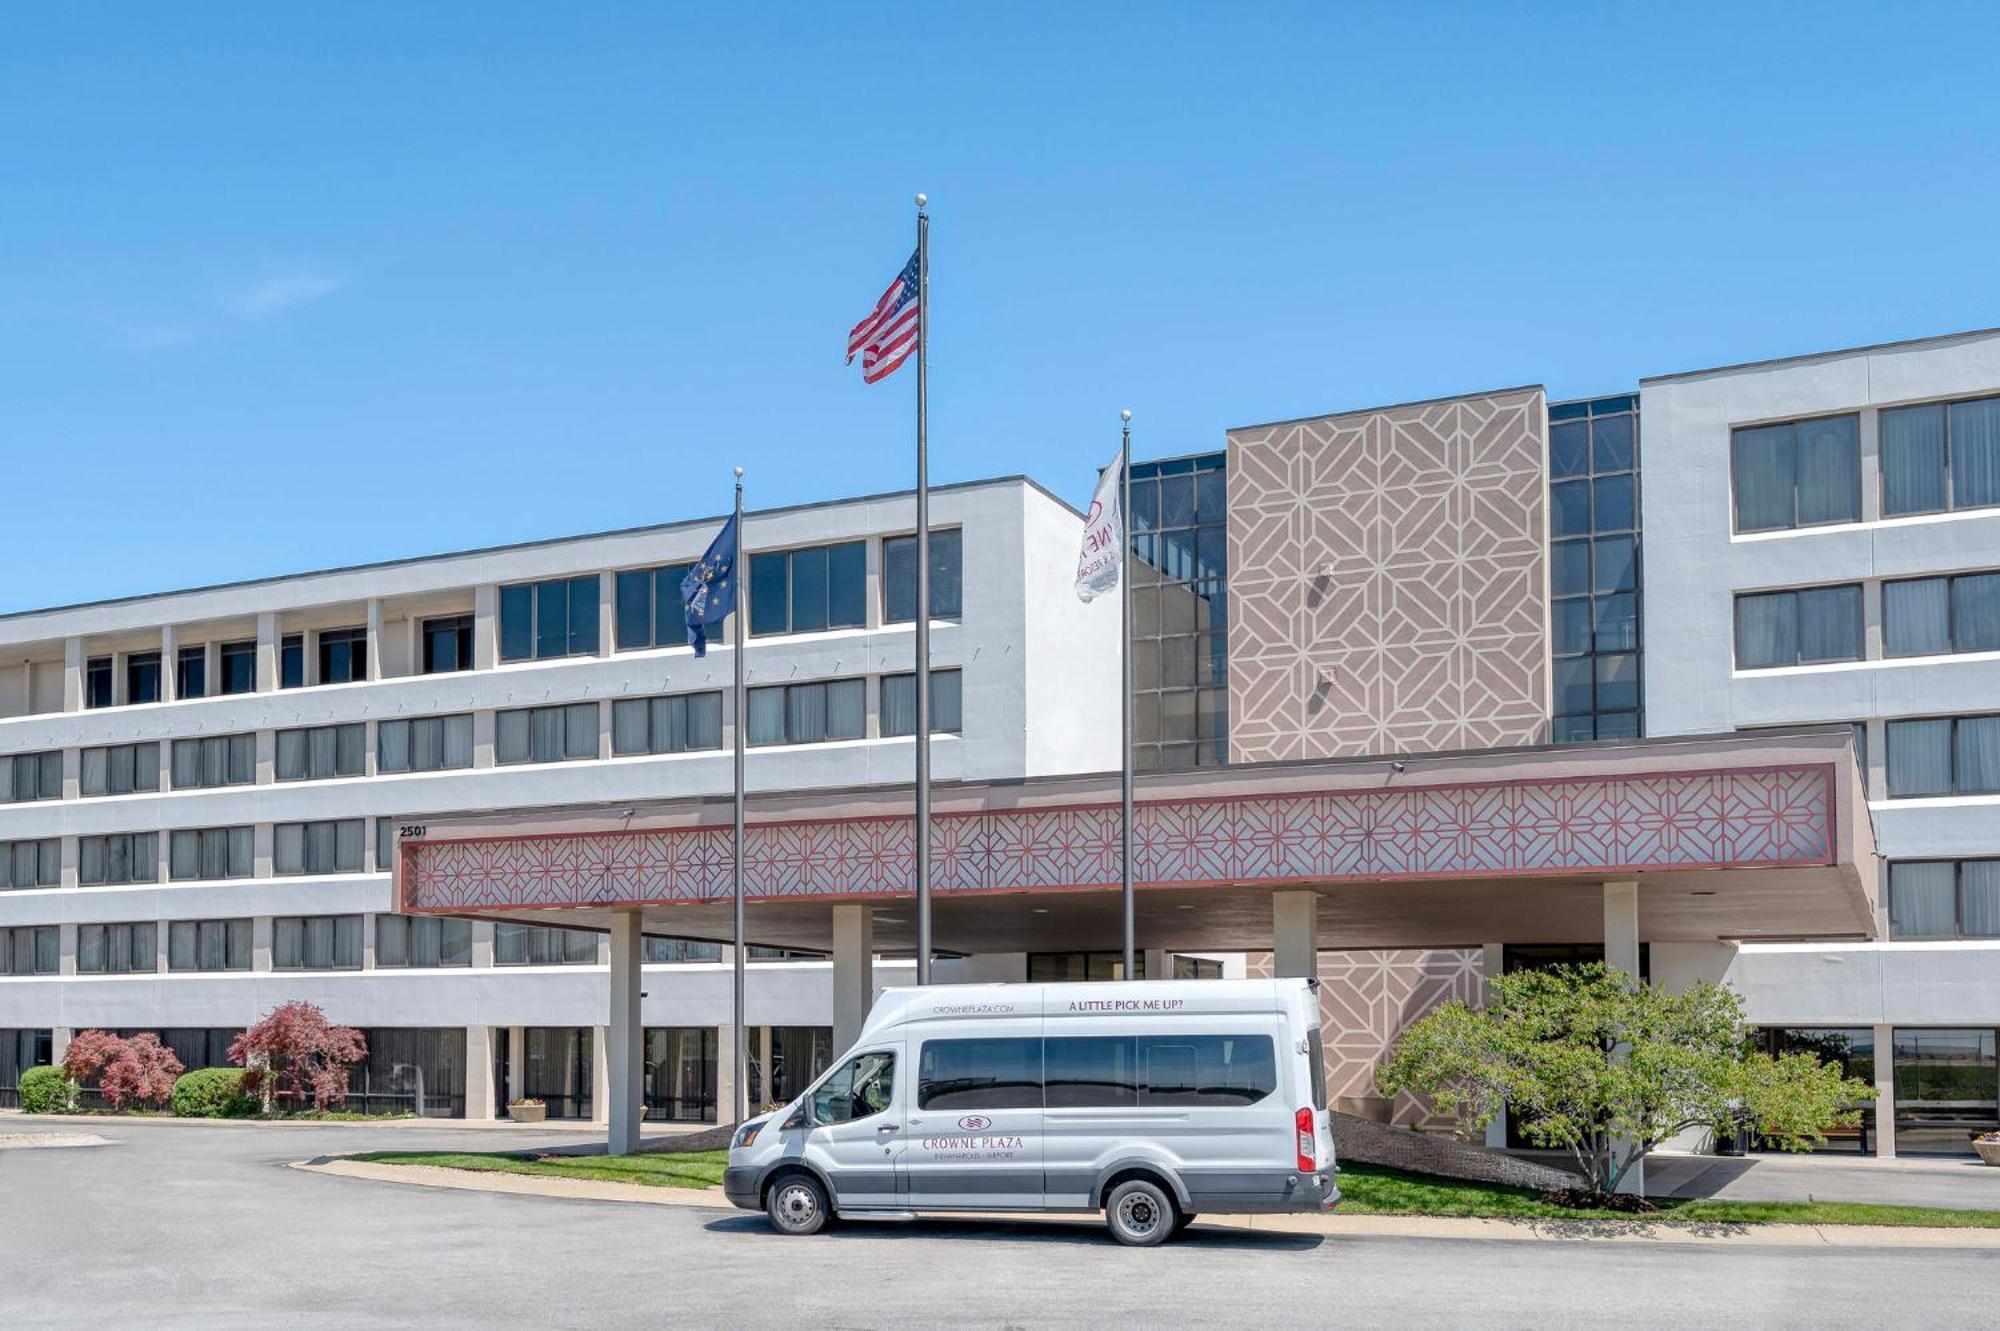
x=1098, y=567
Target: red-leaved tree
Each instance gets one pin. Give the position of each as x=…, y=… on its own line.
x=301, y=1052
x=140, y=1068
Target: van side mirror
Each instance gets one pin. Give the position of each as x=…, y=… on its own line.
x=801, y=1117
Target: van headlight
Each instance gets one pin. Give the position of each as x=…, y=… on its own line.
x=746, y=1134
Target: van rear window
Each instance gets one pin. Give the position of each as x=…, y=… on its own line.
x=1096, y=1071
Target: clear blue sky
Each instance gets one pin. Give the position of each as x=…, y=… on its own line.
x=284, y=289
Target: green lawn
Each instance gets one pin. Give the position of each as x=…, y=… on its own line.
x=1365, y=1190
x=682, y=1169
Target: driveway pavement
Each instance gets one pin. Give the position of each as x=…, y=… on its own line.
x=174, y=1225
x=1963, y=1183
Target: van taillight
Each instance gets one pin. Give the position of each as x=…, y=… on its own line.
x=1308, y=1143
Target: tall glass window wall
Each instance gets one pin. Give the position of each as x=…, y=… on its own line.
x=1594, y=568
x=1180, y=613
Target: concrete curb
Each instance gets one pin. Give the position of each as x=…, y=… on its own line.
x=561, y=1127
x=1332, y=1226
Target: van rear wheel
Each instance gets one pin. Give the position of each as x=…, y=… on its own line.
x=1140, y=1213
x=796, y=1204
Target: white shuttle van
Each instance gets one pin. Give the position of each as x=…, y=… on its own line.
x=1152, y=1102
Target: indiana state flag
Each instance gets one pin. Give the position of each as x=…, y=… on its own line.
x=708, y=592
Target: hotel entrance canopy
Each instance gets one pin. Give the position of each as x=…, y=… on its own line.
x=1744, y=836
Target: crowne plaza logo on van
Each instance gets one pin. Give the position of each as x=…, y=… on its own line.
x=975, y=1123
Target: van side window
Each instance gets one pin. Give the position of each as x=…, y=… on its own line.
x=858, y=1088
x=980, y=1074
x=1093, y=1072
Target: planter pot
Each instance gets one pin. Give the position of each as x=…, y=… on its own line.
x=1988, y=1151
x=528, y=1113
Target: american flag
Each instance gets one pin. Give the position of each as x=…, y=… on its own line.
x=888, y=335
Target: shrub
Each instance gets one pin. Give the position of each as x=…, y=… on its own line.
x=138, y=1069
x=213, y=1093
x=300, y=1051
x=45, y=1090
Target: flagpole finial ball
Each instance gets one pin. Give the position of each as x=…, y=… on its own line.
x=1125, y=415
x=923, y=199
x=739, y=473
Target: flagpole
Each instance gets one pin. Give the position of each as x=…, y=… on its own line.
x=923, y=618
x=1125, y=686
x=741, y=1049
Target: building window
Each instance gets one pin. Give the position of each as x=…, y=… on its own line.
x=1944, y=899
x=1060, y=967
x=1594, y=572
x=208, y=945
x=447, y=644
x=1798, y=627
x=542, y=945
x=292, y=661
x=343, y=655
x=120, y=857
x=1944, y=756
x=238, y=663
x=318, y=847
x=205, y=853
x=215, y=760
x=1798, y=474
x=1947, y=1087
x=316, y=943
x=321, y=752
x=30, y=863
x=649, y=607
x=899, y=703
x=424, y=744
x=809, y=590
x=191, y=673
x=678, y=723
x=119, y=769
x=675, y=951
x=540, y=621
x=1180, y=615
x=142, y=677
x=546, y=734
x=1197, y=968
x=31, y=776
x=97, y=685
x=808, y=713
x=1933, y=616
x=31, y=949
x=899, y=577
x=117, y=949
x=680, y=1073
x=1942, y=456
x=422, y=941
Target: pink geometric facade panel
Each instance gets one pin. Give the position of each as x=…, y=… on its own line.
x=1771, y=816
x=1368, y=999
x=1388, y=574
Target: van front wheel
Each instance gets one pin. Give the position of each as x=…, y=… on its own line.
x=796, y=1204
x=1140, y=1213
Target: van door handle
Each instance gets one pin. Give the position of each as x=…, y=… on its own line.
x=887, y=1127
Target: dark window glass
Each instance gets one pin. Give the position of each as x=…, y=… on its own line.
x=899, y=576
x=674, y=951
x=142, y=677
x=1617, y=682
x=1569, y=448
x=1205, y=1070
x=191, y=673
x=542, y=945
x=1913, y=460
x=670, y=612
x=343, y=655
x=97, y=688
x=1617, y=626
x=1570, y=567
x=1830, y=624
x=316, y=942
x=1612, y=504
x=770, y=593
x=517, y=622
x=547, y=620
x=1792, y=628
x=209, y=945
x=1975, y=612
x=1916, y=616
x=1573, y=678
x=318, y=847
x=899, y=702
x=1797, y=474
x=1615, y=561
x=239, y=666
x=1923, y=899
x=634, y=610
x=1975, y=453
x=1570, y=503
x=1611, y=443
x=809, y=590
x=859, y=1088
x=1090, y=1072
x=447, y=644
x=807, y=713
x=677, y=723
x=292, y=661
x=980, y=1074
x=552, y=619
x=1572, y=626
x=422, y=941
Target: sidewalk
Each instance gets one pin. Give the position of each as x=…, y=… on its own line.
x=1964, y=1184
x=13, y=1120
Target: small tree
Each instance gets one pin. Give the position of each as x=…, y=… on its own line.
x=296, y=1049
x=139, y=1069
x=1607, y=1070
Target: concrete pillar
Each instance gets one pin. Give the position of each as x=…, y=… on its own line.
x=170, y=666
x=1157, y=964
x=607, y=612
x=263, y=848
x=853, y=972
x=72, y=674
x=59, y=1037
x=260, y=940
x=1885, y=1092
x=625, y=1047
x=600, y=1075
x=484, y=733
x=309, y=650
x=485, y=626
x=1492, y=964
x=267, y=653
x=482, y=943
x=1295, y=935
x=725, y=1075
x=1621, y=953
x=372, y=662
x=72, y=779
x=517, y=1061
x=368, y=941
x=66, y=949
x=479, y=1073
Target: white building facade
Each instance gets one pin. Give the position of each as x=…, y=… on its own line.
x=200, y=791
x=1823, y=545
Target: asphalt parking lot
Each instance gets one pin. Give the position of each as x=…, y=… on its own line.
x=177, y=1224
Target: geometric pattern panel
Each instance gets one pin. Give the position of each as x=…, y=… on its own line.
x=1768, y=816
x=1387, y=581
x=1368, y=999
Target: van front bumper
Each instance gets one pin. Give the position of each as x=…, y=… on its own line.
x=742, y=1186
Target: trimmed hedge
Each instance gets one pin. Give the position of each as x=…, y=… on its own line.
x=212, y=1093
x=46, y=1090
